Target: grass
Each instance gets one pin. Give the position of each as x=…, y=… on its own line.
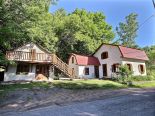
x=88, y=84
x=79, y=84
x=144, y=84
x=4, y=89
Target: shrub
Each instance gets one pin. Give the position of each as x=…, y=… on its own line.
x=124, y=74
x=55, y=78
x=129, y=79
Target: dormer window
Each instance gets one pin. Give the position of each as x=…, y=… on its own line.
x=104, y=55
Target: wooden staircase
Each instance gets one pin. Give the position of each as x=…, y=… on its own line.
x=62, y=66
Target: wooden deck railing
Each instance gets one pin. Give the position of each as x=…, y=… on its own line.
x=62, y=66
x=41, y=57
x=28, y=56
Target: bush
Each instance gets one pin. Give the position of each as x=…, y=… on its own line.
x=136, y=78
x=126, y=77
x=124, y=74
x=124, y=71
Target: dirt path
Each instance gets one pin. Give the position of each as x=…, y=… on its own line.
x=22, y=100
x=139, y=103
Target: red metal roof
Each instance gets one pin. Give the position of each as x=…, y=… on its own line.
x=133, y=53
x=86, y=60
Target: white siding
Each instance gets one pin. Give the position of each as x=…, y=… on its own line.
x=79, y=70
x=135, y=64
x=82, y=70
x=73, y=65
x=28, y=47
x=114, y=56
x=11, y=74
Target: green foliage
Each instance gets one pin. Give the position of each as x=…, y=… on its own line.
x=124, y=74
x=145, y=84
x=3, y=61
x=124, y=71
x=151, y=62
x=30, y=20
x=25, y=21
x=38, y=25
x=131, y=78
x=12, y=15
x=127, y=31
x=143, y=78
x=80, y=31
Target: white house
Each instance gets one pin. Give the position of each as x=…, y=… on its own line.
x=106, y=59
x=30, y=60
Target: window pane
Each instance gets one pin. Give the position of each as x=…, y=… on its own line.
x=141, y=69
x=86, y=71
x=22, y=69
x=104, y=55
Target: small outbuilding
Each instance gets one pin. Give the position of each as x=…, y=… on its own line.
x=84, y=66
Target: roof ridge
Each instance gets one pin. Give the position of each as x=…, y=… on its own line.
x=82, y=55
x=131, y=48
x=114, y=45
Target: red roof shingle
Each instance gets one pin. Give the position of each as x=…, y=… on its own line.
x=86, y=60
x=133, y=53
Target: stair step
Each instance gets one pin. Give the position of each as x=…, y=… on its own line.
x=62, y=66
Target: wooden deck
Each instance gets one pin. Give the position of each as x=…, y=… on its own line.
x=41, y=58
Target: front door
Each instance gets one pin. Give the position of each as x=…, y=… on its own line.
x=96, y=71
x=42, y=69
x=104, y=67
x=1, y=76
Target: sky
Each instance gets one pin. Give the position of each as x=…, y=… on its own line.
x=116, y=11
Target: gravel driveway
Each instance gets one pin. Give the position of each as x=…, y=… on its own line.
x=139, y=103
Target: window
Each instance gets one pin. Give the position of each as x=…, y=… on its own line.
x=86, y=71
x=22, y=69
x=129, y=66
x=115, y=68
x=104, y=55
x=141, y=69
x=72, y=60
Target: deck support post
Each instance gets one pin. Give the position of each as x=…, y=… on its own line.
x=51, y=73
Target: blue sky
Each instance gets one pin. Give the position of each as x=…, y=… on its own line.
x=115, y=12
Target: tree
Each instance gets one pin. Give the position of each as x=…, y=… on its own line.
x=25, y=21
x=81, y=32
x=39, y=25
x=151, y=54
x=29, y=20
x=127, y=31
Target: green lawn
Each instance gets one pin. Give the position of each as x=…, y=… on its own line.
x=78, y=84
x=88, y=84
x=144, y=84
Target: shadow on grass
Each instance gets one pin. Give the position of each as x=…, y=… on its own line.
x=82, y=85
